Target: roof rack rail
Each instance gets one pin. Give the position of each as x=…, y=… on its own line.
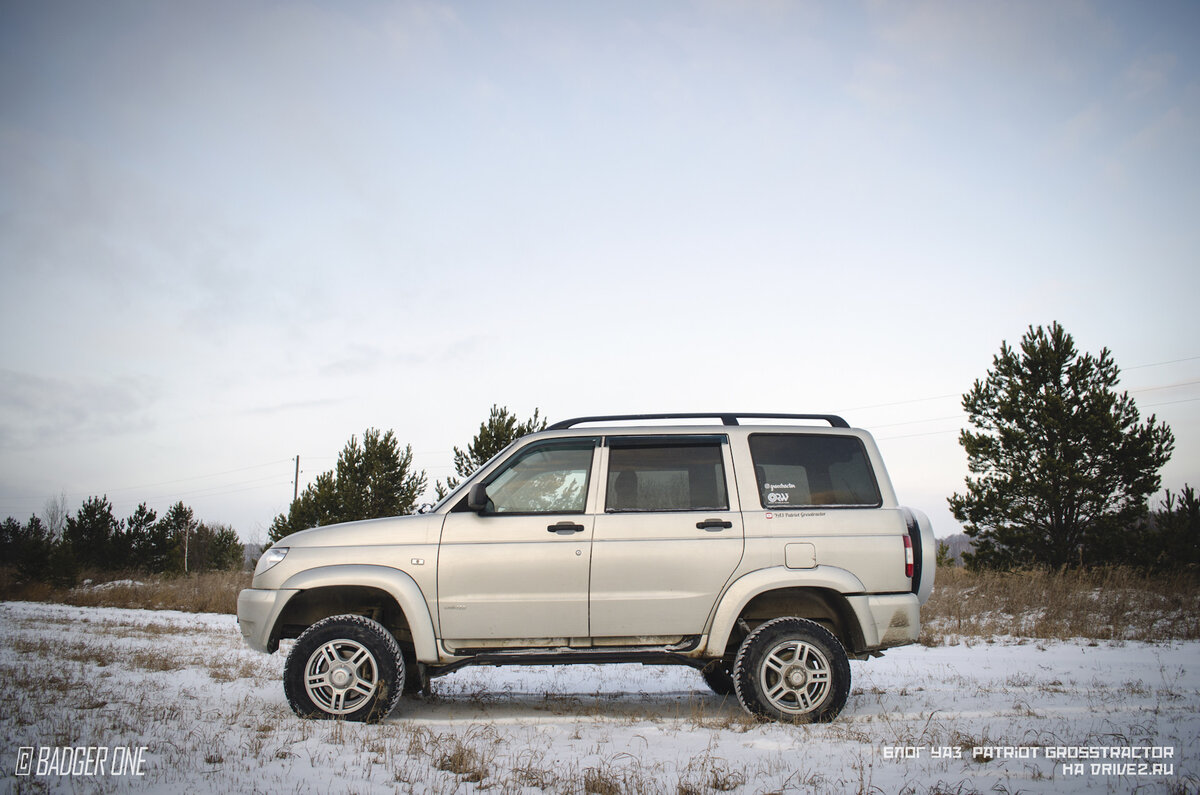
x=726, y=418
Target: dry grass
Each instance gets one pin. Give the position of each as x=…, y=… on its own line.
x=468, y=756
x=706, y=773
x=210, y=592
x=1111, y=604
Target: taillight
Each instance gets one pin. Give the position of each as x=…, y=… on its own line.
x=908, y=557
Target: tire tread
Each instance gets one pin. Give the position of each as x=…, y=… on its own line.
x=743, y=678
x=384, y=702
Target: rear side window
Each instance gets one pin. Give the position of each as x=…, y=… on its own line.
x=804, y=470
x=648, y=474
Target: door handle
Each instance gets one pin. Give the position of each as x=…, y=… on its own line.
x=565, y=527
x=713, y=525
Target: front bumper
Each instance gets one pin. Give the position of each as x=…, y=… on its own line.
x=258, y=613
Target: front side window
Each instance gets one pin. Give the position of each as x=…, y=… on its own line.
x=546, y=478
x=674, y=474
x=804, y=470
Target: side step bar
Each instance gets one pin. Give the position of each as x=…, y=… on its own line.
x=657, y=656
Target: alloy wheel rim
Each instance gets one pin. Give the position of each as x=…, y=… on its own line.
x=341, y=676
x=795, y=677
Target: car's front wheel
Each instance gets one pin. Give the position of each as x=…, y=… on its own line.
x=348, y=667
x=792, y=669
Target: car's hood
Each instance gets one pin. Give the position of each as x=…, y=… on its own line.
x=416, y=529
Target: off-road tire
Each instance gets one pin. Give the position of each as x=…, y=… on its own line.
x=792, y=669
x=345, y=667
x=718, y=677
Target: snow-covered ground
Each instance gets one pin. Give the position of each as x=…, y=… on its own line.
x=212, y=718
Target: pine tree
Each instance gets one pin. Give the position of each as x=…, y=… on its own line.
x=1060, y=462
x=155, y=552
x=1178, y=526
x=95, y=535
x=316, y=506
x=498, y=431
x=214, y=547
x=28, y=548
x=1167, y=539
x=173, y=538
x=139, y=528
x=374, y=478
x=226, y=550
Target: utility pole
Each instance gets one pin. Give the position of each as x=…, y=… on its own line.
x=296, y=482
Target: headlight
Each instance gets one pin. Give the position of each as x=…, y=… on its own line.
x=269, y=558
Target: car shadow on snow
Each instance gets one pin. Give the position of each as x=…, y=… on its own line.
x=569, y=693
x=533, y=706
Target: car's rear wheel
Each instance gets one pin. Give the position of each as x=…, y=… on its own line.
x=718, y=677
x=348, y=667
x=792, y=669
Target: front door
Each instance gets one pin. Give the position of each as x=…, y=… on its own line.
x=516, y=574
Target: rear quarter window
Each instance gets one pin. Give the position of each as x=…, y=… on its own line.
x=806, y=470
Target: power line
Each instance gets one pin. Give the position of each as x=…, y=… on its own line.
x=245, y=485
x=1171, y=402
x=1164, y=386
x=901, y=403
x=918, y=422
x=954, y=395
x=914, y=435
x=196, y=477
x=1159, y=364
x=940, y=397
x=217, y=489
x=956, y=430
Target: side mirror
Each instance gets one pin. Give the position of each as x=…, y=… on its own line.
x=477, y=498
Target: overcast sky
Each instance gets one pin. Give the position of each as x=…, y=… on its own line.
x=234, y=232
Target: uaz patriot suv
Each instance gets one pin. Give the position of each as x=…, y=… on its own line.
x=764, y=555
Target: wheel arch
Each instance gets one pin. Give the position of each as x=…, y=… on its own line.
x=384, y=594
x=819, y=595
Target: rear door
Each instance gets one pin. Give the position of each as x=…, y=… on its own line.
x=667, y=536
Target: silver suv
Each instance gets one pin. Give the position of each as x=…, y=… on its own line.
x=764, y=555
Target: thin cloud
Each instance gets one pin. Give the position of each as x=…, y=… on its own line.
x=38, y=410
